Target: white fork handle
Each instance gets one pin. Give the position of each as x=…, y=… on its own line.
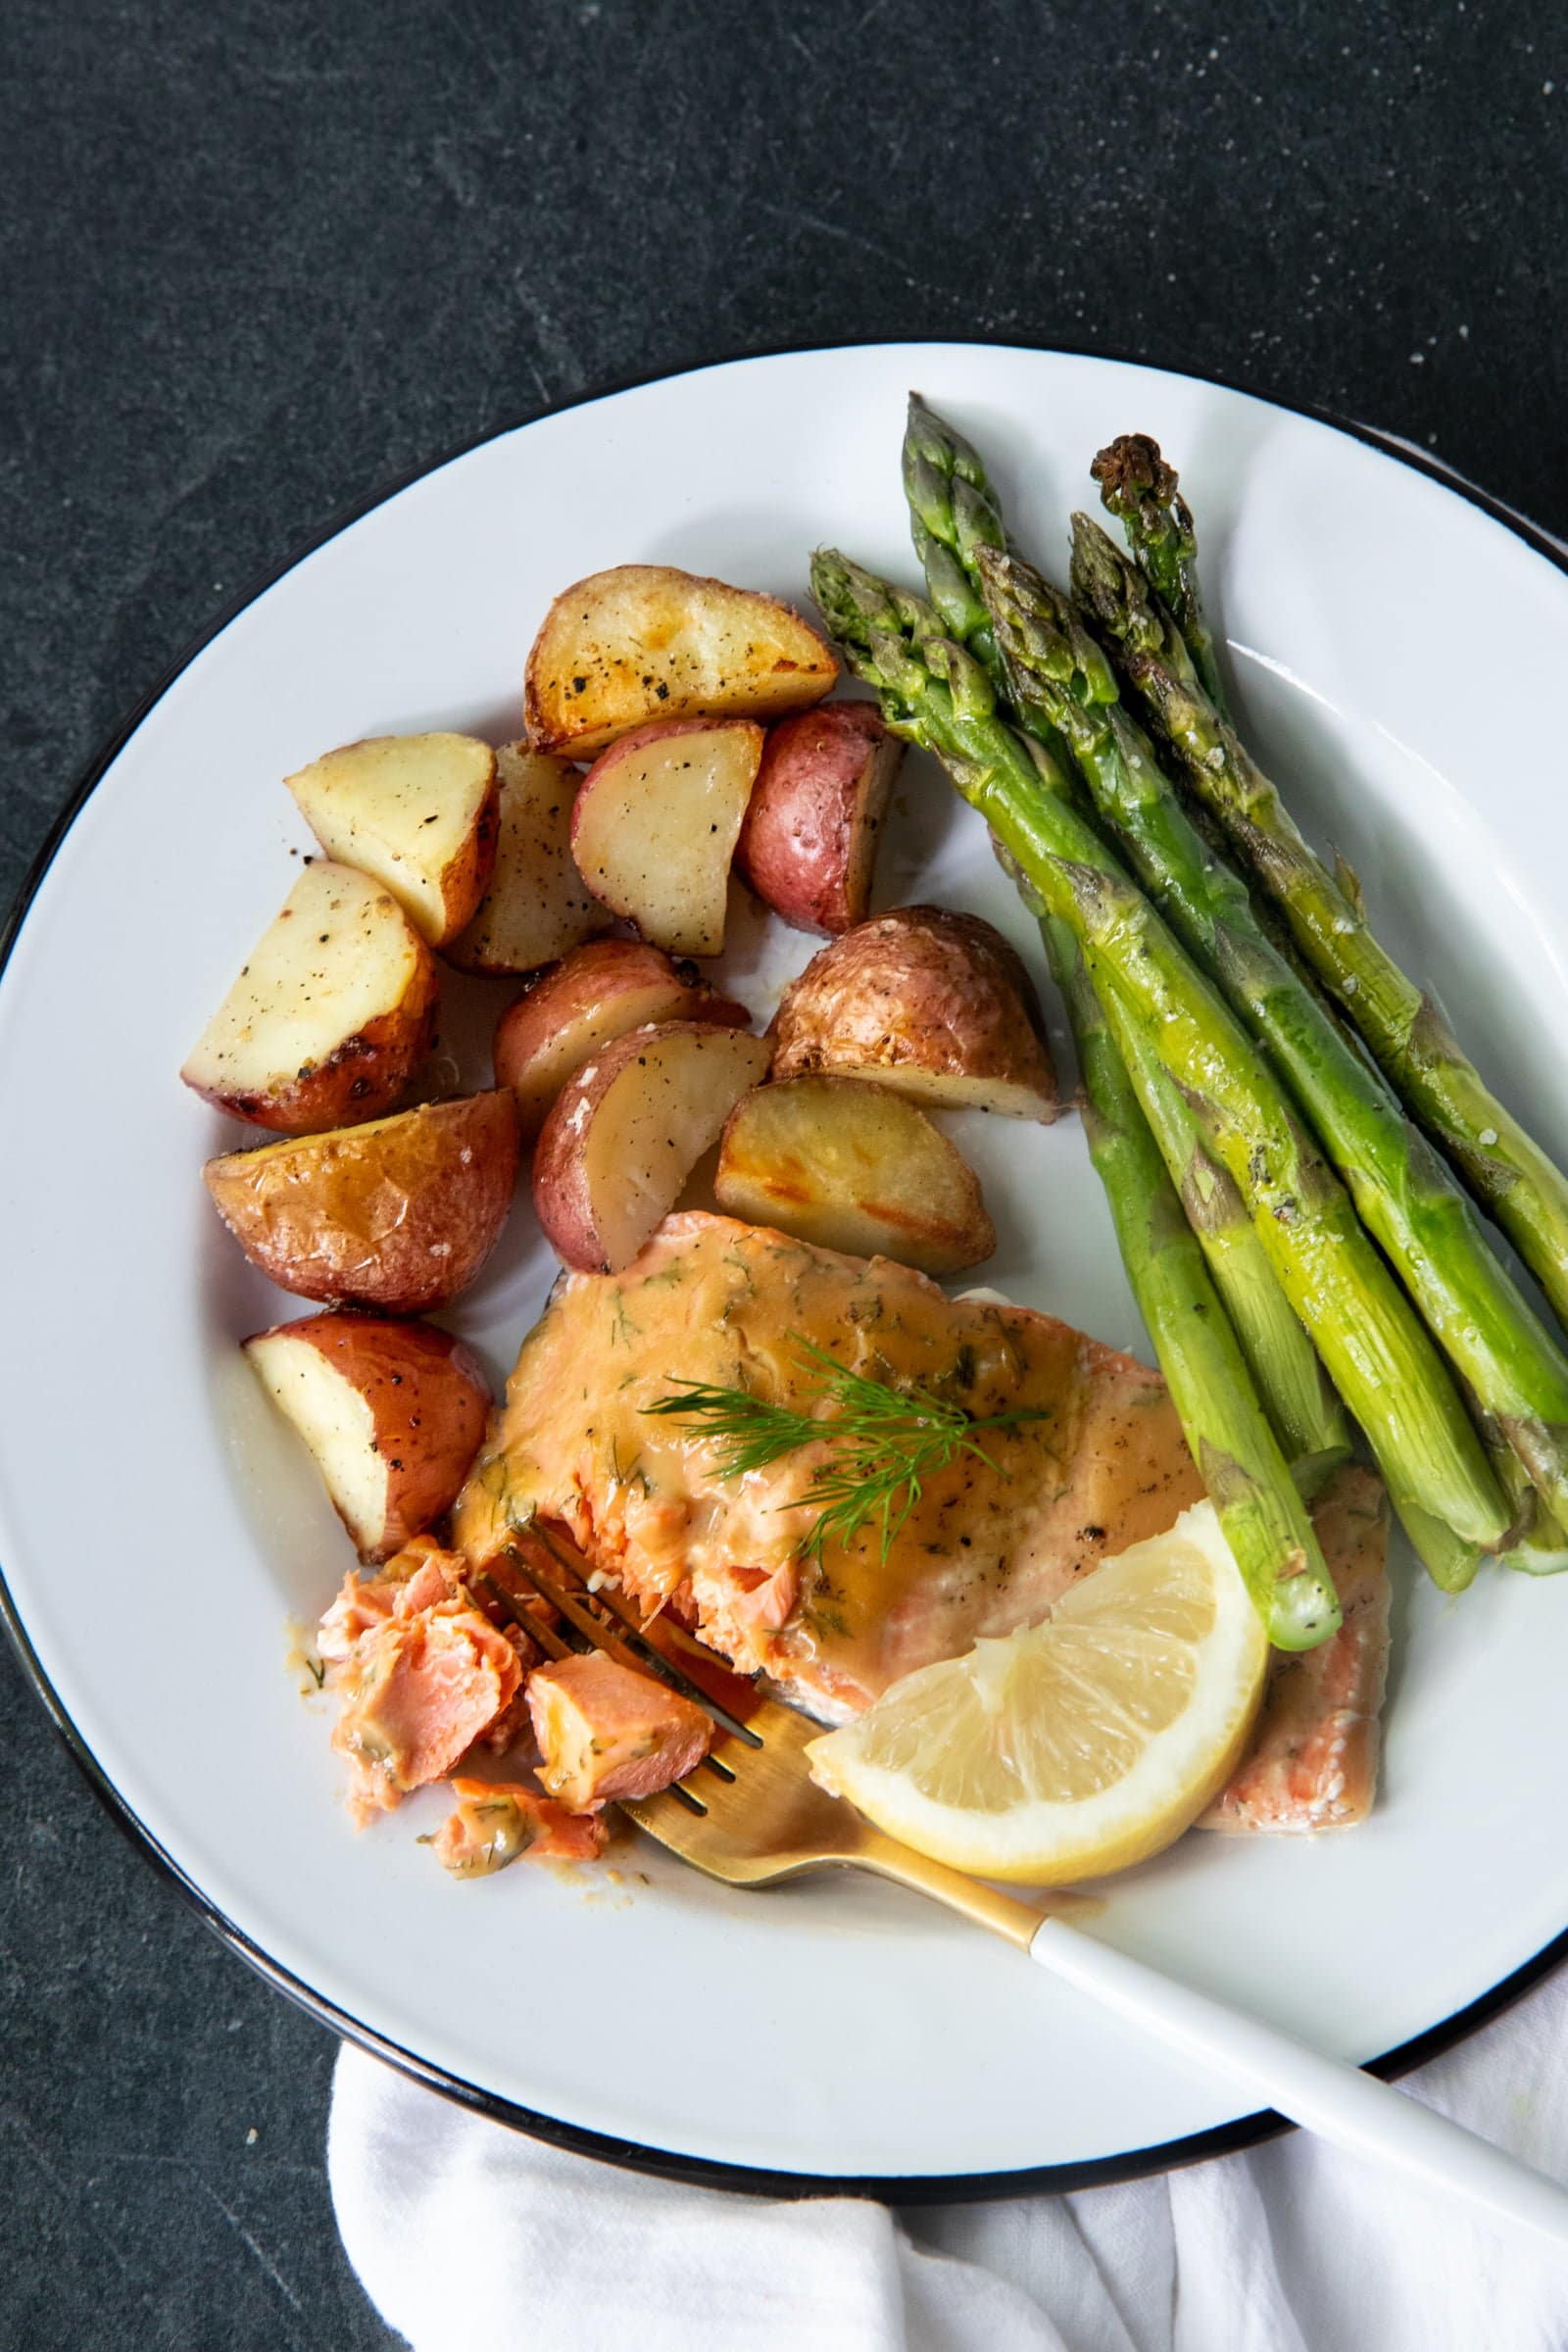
x=1328, y=2095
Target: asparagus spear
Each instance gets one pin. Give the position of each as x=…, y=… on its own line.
x=1505, y=1168
x=1258, y=1502
x=1138, y=487
x=1513, y=1365
x=933, y=693
x=1258, y=1497
x=1306, y=1413
x=954, y=513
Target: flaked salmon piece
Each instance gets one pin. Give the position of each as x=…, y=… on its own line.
x=989, y=1545
x=1313, y=1764
x=418, y=1577
x=420, y=1690
x=606, y=1732
x=513, y=1725
x=363, y=1602
x=434, y=1580
x=494, y=1823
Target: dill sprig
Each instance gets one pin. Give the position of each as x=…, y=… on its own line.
x=886, y=1442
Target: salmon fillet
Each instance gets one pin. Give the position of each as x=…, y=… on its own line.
x=989, y=1545
x=1313, y=1764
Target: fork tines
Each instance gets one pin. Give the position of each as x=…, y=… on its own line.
x=566, y=1593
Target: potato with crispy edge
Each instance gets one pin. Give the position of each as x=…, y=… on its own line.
x=812, y=823
x=851, y=1166
x=329, y=1017
x=626, y=1131
x=537, y=905
x=392, y=1414
x=645, y=641
x=417, y=813
x=597, y=993
x=399, y=1214
x=935, y=1004
x=655, y=825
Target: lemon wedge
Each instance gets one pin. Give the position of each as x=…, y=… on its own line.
x=1077, y=1747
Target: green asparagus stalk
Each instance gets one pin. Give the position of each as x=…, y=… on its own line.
x=1304, y=1409
x=1511, y=1363
x=954, y=513
x=1239, y=1460
x=1140, y=489
x=1137, y=484
x=1505, y=1168
x=1258, y=1497
x=933, y=693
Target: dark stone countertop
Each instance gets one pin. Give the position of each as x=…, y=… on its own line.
x=260, y=256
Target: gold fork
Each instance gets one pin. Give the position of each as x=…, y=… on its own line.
x=752, y=1816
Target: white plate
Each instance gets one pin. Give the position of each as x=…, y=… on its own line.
x=158, y=1530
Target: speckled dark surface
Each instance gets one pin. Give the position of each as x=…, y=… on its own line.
x=262, y=255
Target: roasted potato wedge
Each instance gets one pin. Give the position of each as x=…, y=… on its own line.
x=851, y=1166
x=417, y=813
x=626, y=1131
x=655, y=825
x=645, y=641
x=934, y=1005
x=536, y=906
x=809, y=839
x=597, y=993
x=392, y=1414
x=330, y=1016
x=399, y=1214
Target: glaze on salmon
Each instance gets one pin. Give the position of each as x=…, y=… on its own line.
x=1313, y=1764
x=989, y=1545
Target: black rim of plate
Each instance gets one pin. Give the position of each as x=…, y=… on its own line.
x=669, y=2164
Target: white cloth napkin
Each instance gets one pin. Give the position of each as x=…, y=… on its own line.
x=472, y=2239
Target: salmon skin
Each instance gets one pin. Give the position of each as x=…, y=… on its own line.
x=989, y=1545
x=1313, y=1763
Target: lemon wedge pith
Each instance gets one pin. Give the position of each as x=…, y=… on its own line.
x=1074, y=1748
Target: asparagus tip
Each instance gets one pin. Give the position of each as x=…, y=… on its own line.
x=1130, y=469
x=1109, y=588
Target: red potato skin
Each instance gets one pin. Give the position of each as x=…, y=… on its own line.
x=366, y=1076
x=428, y=1399
x=650, y=985
x=562, y=1200
x=563, y=1197
x=917, y=989
x=809, y=841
